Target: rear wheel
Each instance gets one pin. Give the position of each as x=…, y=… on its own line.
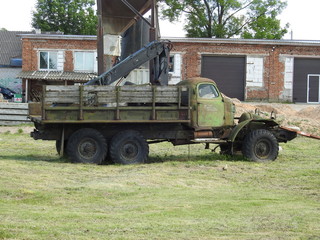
x=87, y=145
x=129, y=147
x=260, y=145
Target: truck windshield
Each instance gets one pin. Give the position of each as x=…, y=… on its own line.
x=207, y=91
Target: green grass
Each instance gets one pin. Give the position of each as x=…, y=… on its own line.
x=183, y=193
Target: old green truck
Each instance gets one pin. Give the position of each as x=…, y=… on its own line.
x=94, y=123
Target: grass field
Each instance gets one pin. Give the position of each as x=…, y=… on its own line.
x=183, y=193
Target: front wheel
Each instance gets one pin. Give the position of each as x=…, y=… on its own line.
x=129, y=147
x=260, y=145
x=87, y=145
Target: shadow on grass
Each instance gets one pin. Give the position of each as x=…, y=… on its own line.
x=35, y=158
x=153, y=158
x=210, y=157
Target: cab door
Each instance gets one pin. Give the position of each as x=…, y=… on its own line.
x=210, y=106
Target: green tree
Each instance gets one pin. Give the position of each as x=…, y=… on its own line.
x=68, y=16
x=265, y=28
x=228, y=18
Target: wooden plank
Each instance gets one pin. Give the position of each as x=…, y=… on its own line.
x=51, y=100
x=102, y=100
x=167, y=100
x=166, y=88
x=105, y=95
x=13, y=105
x=147, y=100
x=149, y=89
x=130, y=94
x=148, y=94
x=13, y=118
x=14, y=112
x=99, y=88
x=61, y=88
x=136, y=88
x=135, y=99
x=62, y=94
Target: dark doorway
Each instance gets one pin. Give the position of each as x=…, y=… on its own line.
x=227, y=72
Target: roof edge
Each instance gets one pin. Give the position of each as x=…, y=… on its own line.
x=58, y=36
x=245, y=41
x=185, y=40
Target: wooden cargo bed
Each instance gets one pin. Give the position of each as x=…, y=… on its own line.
x=103, y=104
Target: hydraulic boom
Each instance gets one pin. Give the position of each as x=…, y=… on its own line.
x=158, y=51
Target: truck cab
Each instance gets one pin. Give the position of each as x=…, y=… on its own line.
x=210, y=108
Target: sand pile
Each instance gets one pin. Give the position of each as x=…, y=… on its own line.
x=307, y=118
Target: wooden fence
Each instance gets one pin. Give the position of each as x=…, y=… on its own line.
x=13, y=113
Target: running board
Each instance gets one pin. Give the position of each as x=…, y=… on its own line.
x=209, y=140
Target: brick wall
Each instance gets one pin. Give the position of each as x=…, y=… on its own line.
x=31, y=46
x=273, y=62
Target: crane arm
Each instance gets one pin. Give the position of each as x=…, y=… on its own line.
x=157, y=50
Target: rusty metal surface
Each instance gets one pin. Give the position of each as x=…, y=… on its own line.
x=117, y=17
x=301, y=133
x=203, y=134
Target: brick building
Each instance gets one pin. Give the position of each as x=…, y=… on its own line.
x=56, y=60
x=267, y=70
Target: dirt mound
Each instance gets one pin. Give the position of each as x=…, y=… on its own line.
x=307, y=119
x=310, y=112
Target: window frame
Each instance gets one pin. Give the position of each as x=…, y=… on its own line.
x=216, y=93
x=84, y=52
x=49, y=52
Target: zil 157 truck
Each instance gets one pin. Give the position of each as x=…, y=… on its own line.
x=94, y=122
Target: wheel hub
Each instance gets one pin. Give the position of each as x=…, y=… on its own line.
x=130, y=150
x=87, y=148
x=263, y=149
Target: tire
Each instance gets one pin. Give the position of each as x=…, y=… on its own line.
x=58, y=147
x=87, y=145
x=129, y=147
x=260, y=145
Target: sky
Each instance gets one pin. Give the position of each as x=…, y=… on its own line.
x=303, y=17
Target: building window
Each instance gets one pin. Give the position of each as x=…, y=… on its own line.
x=48, y=60
x=85, y=61
x=171, y=64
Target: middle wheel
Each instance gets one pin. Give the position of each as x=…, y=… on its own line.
x=129, y=147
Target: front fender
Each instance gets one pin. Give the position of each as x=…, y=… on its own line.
x=252, y=124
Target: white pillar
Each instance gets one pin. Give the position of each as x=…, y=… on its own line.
x=27, y=90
